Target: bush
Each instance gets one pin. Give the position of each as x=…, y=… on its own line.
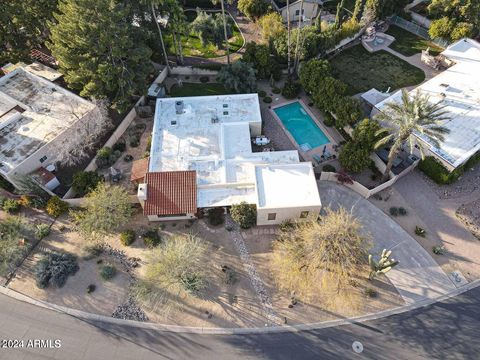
x=119, y=146
x=267, y=99
x=91, y=288
x=394, y=211
x=42, y=231
x=107, y=272
x=371, y=293
x=286, y=225
x=152, y=239
x=56, y=206
x=127, y=237
x=402, y=211
x=134, y=141
x=253, y=9
x=104, y=153
x=328, y=168
x=230, y=276
x=245, y=215
x=54, y=269
x=38, y=202
x=354, y=158
x=85, y=181
x=435, y=171
x=11, y=206
x=276, y=90
x=93, y=251
x=420, y=231
x=25, y=200
x=439, y=250
x=5, y=184
x=128, y=158
x=329, y=120
x=216, y=216
x=291, y=89
x=204, y=79
x=262, y=93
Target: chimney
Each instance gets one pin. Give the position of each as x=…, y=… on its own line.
x=142, y=193
x=179, y=107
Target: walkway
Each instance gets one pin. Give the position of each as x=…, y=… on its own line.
x=417, y=276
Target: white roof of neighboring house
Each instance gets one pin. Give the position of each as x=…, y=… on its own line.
x=286, y=186
x=204, y=138
x=374, y=96
x=458, y=89
x=33, y=112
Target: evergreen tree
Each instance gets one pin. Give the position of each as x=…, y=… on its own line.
x=23, y=25
x=100, y=52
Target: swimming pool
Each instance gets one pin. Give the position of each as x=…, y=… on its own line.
x=301, y=126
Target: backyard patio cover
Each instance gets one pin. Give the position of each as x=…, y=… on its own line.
x=171, y=193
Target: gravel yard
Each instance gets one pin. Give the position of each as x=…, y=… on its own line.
x=469, y=214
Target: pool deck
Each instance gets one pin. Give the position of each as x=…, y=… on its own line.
x=307, y=155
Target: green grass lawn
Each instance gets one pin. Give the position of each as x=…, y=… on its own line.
x=192, y=46
x=196, y=89
x=361, y=70
x=409, y=44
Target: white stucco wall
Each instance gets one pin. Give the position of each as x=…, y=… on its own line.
x=283, y=214
x=310, y=11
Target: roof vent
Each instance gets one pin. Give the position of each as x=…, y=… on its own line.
x=214, y=119
x=179, y=107
x=142, y=192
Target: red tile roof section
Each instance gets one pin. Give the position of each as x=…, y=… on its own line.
x=139, y=169
x=171, y=193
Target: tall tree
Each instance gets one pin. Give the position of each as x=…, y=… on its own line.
x=299, y=33
x=239, y=76
x=288, y=39
x=357, y=10
x=178, y=25
x=154, y=4
x=99, y=51
x=227, y=46
x=23, y=26
x=413, y=115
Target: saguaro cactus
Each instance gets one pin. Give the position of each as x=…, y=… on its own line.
x=382, y=266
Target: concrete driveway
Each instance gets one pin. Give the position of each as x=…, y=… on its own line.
x=417, y=276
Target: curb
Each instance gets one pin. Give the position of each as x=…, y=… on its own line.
x=233, y=331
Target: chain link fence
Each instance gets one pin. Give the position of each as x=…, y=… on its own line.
x=417, y=30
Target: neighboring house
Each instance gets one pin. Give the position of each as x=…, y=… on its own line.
x=310, y=10
x=35, y=114
x=458, y=89
x=201, y=157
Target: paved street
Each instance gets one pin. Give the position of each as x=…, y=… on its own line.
x=417, y=276
x=445, y=330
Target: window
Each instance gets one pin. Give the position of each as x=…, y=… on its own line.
x=225, y=105
x=173, y=122
x=272, y=216
x=42, y=159
x=303, y=214
x=297, y=12
x=225, y=113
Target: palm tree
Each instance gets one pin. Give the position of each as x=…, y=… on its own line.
x=413, y=115
x=154, y=4
x=227, y=47
x=297, y=50
x=288, y=39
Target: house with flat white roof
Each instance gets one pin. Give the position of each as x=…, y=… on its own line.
x=208, y=138
x=458, y=90
x=34, y=115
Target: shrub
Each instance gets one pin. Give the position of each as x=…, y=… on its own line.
x=152, y=239
x=56, y=206
x=435, y=171
x=253, y=9
x=229, y=275
x=2, y=200
x=216, y=216
x=329, y=120
x=91, y=288
x=25, y=200
x=286, y=225
x=85, y=181
x=371, y=293
x=291, y=89
x=11, y=205
x=38, y=203
x=104, y=153
x=267, y=99
x=204, y=79
x=420, y=231
x=354, y=158
x=128, y=158
x=5, y=184
x=439, y=250
x=134, y=141
x=107, y=272
x=54, y=269
x=276, y=90
x=127, y=237
x=94, y=250
x=262, y=93
x=245, y=215
x=119, y=146
x=328, y=168
x=394, y=211
x=42, y=231
x=402, y=211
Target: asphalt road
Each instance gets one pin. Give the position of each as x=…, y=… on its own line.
x=445, y=330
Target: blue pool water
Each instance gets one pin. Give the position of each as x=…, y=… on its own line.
x=301, y=126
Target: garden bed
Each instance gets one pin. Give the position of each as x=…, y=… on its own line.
x=409, y=44
x=362, y=70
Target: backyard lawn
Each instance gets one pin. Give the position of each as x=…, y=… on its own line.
x=192, y=46
x=198, y=89
x=361, y=70
x=409, y=44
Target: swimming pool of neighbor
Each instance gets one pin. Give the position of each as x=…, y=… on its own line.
x=301, y=126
